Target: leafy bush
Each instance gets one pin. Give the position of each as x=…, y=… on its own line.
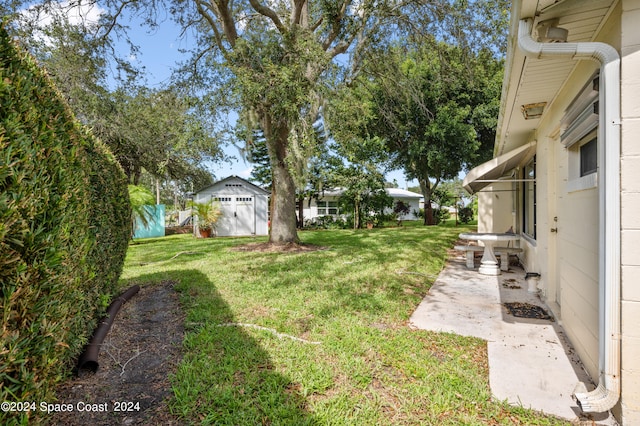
x=440, y=215
x=325, y=222
x=64, y=230
x=401, y=209
x=465, y=214
x=369, y=205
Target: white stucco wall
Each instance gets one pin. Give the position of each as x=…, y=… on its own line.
x=496, y=208
x=568, y=258
x=310, y=207
x=630, y=216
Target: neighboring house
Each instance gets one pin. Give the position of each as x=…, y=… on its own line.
x=566, y=177
x=244, y=206
x=327, y=204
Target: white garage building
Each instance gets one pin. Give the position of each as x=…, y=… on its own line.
x=244, y=206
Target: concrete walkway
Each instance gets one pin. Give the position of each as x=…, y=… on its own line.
x=531, y=362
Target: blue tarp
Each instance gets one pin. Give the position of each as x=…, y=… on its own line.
x=155, y=227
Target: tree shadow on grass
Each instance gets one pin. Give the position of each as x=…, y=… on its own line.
x=225, y=376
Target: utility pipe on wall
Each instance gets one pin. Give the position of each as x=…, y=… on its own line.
x=607, y=393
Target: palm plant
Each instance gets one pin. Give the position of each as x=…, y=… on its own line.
x=140, y=197
x=208, y=214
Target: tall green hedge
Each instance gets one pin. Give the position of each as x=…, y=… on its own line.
x=64, y=230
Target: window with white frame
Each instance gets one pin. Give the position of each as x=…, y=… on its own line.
x=580, y=137
x=529, y=198
x=589, y=157
x=327, y=208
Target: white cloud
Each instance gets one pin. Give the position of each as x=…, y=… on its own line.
x=82, y=14
x=246, y=172
x=74, y=13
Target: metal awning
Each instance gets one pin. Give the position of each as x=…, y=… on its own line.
x=494, y=169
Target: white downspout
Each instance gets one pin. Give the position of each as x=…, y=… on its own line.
x=607, y=393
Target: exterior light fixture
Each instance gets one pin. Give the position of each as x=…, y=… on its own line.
x=531, y=111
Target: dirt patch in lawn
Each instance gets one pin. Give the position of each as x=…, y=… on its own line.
x=279, y=248
x=137, y=357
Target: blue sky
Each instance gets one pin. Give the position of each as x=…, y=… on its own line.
x=160, y=51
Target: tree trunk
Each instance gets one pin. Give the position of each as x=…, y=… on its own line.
x=283, y=189
x=283, y=207
x=425, y=187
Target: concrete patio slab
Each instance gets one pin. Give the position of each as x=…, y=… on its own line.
x=531, y=362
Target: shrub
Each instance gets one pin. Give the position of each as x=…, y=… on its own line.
x=325, y=222
x=465, y=214
x=401, y=209
x=64, y=229
x=208, y=215
x=440, y=215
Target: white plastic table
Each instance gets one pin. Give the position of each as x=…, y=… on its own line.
x=489, y=264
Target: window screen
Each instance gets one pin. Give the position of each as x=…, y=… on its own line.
x=589, y=157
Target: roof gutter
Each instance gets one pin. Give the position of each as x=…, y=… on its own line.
x=607, y=393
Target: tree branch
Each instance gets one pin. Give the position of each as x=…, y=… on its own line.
x=226, y=18
x=223, y=16
x=113, y=20
x=212, y=22
x=340, y=48
x=336, y=25
x=269, y=13
x=317, y=24
x=270, y=330
x=296, y=12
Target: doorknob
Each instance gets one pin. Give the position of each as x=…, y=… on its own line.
x=554, y=230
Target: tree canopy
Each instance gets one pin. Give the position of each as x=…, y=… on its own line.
x=434, y=104
x=157, y=132
x=276, y=63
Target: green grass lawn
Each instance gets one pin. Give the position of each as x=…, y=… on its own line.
x=343, y=353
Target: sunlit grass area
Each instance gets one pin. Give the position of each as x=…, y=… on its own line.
x=319, y=337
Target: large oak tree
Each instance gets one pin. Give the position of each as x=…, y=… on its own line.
x=284, y=58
